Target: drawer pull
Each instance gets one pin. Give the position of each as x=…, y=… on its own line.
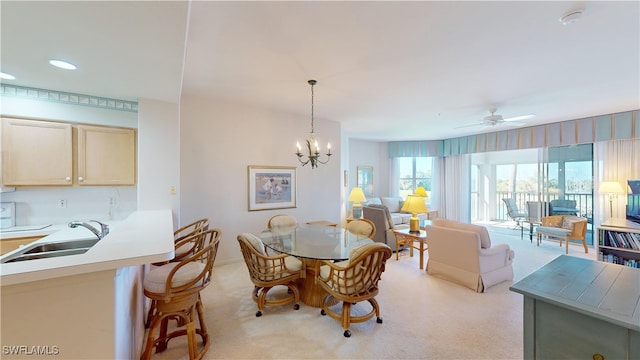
x=598, y=357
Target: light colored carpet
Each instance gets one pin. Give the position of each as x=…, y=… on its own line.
x=424, y=317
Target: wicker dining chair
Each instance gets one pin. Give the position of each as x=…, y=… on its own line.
x=174, y=290
x=268, y=271
x=363, y=227
x=194, y=243
x=352, y=281
x=185, y=248
x=281, y=221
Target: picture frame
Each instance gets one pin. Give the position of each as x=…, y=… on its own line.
x=365, y=179
x=271, y=187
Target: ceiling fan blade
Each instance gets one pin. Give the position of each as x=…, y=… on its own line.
x=466, y=126
x=521, y=117
x=513, y=123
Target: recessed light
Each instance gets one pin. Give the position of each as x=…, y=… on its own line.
x=63, y=64
x=571, y=17
x=7, y=76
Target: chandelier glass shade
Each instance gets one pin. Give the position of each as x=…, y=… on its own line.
x=311, y=153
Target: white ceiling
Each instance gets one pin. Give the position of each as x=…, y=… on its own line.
x=385, y=70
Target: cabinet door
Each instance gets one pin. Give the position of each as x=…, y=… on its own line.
x=36, y=152
x=7, y=245
x=106, y=156
x=565, y=334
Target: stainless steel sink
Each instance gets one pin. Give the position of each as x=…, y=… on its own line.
x=49, y=250
x=66, y=245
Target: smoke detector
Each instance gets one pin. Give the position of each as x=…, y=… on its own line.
x=571, y=17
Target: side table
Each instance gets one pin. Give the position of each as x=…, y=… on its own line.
x=407, y=238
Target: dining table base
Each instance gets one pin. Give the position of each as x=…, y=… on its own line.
x=311, y=293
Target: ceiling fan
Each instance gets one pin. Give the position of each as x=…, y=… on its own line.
x=497, y=119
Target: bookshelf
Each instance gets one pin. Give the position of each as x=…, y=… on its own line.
x=619, y=242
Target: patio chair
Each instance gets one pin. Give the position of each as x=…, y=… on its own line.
x=514, y=213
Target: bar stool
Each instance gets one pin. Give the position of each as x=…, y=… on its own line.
x=174, y=290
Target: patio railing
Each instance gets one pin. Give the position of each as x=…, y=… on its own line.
x=584, y=202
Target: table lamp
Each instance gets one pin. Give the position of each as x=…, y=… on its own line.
x=612, y=188
x=421, y=191
x=414, y=204
x=357, y=197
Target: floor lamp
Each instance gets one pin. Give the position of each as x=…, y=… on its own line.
x=612, y=188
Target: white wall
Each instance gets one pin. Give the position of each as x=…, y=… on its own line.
x=35, y=206
x=370, y=153
x=219, y=140
x=159, y=156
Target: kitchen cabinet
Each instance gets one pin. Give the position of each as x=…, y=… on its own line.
x=576, y=308
x=46, y=153
x=7, y=245
x=106, y=156
x=36, y=152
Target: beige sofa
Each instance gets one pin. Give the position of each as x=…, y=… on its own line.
x=394, y=204
x=462, y=253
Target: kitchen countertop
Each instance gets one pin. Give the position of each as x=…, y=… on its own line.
x=30, y=231
x=144, y=237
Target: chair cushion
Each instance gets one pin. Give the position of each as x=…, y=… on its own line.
x=485, y=240
x=293, y=263
x=549, y=230
x=156, y=280
x=255, y=242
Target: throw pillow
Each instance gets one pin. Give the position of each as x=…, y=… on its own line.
x=392, y=203
x=373, y=201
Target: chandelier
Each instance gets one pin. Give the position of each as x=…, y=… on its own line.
x=312, y=149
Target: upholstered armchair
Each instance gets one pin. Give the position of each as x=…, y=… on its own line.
x=463, y=254
x=380, y=216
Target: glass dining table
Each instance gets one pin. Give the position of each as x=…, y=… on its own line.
x=311, y=244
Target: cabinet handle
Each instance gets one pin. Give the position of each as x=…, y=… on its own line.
x=80, y=178
x=598, y=357
x=67, y=179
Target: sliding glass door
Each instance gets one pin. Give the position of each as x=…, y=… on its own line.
x=565, y=184
x=546, y=176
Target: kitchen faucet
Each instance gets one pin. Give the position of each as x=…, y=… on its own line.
x=104, y=228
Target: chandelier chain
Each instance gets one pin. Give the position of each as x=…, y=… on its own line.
x=312, y=84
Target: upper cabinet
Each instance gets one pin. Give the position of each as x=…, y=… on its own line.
x=43, y=153
x=36, y=152
x=106, y=156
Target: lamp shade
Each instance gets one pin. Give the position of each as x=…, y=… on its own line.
x=357, y=195
x=421, y=191
x=414, y=204
x=610, y=187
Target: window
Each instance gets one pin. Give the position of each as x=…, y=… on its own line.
x=414, y=172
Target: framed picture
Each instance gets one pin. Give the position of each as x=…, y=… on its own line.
x=271, y=187
x=365, y=179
